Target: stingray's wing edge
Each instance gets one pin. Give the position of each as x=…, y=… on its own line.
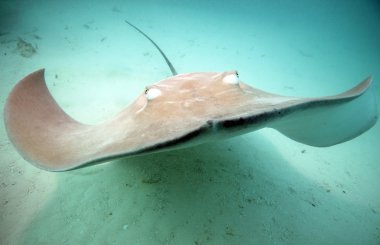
x=38, y=127
x=331, y=120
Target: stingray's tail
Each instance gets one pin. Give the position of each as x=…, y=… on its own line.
x=172, y=69
x=332, y=120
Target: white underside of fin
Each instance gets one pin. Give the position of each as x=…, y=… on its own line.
x=330, y=123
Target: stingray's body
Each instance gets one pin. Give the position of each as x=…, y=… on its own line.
x=180, y=111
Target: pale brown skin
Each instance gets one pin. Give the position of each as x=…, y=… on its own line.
x=191, y=109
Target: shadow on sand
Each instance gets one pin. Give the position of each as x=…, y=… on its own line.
x=238, y=191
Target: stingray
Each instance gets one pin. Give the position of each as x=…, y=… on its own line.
x=180, y=111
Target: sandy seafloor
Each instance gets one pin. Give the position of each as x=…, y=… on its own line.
x=259, y=188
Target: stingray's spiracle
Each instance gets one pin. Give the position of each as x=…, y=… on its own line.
x=232, y=79
x=152, y=93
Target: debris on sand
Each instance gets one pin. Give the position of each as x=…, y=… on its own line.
x=25, y=49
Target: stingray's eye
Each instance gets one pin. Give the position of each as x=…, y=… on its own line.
x=152, y=93
x=237, y=73
x=232, y=78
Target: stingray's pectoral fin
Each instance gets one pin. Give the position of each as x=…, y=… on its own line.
x=331, y=120
x=41, y=131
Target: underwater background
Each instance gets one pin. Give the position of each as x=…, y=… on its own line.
x=259, y=188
